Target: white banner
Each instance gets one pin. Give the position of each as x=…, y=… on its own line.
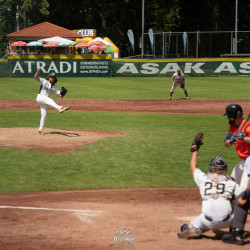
x=151, y=37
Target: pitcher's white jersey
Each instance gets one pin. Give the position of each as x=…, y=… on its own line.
x=178, y=78
x=216, y=192
x=47, y=89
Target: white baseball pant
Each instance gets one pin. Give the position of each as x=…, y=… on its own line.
x=44, y=102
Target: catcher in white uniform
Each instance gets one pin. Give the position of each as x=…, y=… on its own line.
x=48, y=88
x=178, y=78
x=218, y=192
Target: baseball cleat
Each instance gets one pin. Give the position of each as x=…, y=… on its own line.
x=187, y=98
x=169, y=98
x=41, y=132
x=63, y=109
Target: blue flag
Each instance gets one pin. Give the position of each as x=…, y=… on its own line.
x=185, y=42
x=131, y=39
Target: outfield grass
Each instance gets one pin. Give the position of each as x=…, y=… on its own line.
x=154, y=152
x=131, y=88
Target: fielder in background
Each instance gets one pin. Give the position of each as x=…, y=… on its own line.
x=178, y=78
x=239, y=136
x=217, y=191
x=48, y=88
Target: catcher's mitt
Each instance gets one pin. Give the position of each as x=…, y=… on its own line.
x=197, y=142
x=63, y=92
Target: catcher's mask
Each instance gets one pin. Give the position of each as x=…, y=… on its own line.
x=233, y=111
x=219, y=163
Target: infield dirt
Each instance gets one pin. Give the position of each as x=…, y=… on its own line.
x=100, y=219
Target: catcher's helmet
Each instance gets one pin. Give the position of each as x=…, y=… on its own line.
x=218, y=163
x=233, y=111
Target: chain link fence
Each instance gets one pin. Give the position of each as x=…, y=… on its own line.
x=197, y=45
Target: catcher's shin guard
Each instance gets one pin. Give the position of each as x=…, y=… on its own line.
x=235, y=237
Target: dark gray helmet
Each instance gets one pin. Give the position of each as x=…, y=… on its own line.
x=233, y=111
x=218, y=163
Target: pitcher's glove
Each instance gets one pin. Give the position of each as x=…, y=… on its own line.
x=63, y=92
x=197, y=142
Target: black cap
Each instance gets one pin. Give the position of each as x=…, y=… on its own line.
x=233, y=111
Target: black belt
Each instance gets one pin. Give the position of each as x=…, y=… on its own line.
x=210, y=219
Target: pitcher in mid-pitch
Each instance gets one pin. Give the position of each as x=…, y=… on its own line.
x=178, y=78
x=48, y=88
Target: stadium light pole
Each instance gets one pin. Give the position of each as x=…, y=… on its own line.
x=142, y=30
x=236, y=27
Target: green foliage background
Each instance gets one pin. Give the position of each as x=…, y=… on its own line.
x=113, y=18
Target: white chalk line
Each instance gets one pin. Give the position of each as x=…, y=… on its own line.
x=81, y=214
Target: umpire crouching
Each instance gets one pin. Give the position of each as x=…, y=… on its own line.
x=240, y=218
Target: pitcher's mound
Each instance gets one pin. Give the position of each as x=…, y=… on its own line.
x=53, y=141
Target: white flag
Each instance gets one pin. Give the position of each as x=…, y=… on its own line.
x=151, y=37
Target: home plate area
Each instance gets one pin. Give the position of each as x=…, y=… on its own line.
x=102, y=219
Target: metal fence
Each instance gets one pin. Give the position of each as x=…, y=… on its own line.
x=198, y=44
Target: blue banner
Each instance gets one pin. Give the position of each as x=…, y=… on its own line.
x=185, y=42
x=131, y=39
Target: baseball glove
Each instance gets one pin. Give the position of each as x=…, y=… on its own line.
x=63, y=92
x=197, y=142
x=182, y=85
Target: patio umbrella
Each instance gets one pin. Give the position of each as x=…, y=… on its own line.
x=99, y=41
x=66, y=44
x=97, y=48
x=55, y=39
x=19, y=43
x=34, y=44
x=51, y=45
x=82, y=45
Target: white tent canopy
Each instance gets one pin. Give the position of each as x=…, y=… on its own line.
x=55, y=39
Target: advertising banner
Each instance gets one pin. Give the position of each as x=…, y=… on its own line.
x=63, y=68
x=131, y=39
x=151, y=38
x=127, y=67
x=168, y=67
x=185, y=37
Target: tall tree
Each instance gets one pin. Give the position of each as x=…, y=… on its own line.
x=8, y=24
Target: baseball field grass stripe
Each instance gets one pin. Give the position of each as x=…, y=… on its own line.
x=153, y=152
x=234, y=87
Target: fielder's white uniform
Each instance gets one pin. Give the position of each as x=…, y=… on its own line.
x=177, y=80
x=43, y=98
x=217, y=192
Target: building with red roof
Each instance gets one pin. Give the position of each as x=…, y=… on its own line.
x=40, y=31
